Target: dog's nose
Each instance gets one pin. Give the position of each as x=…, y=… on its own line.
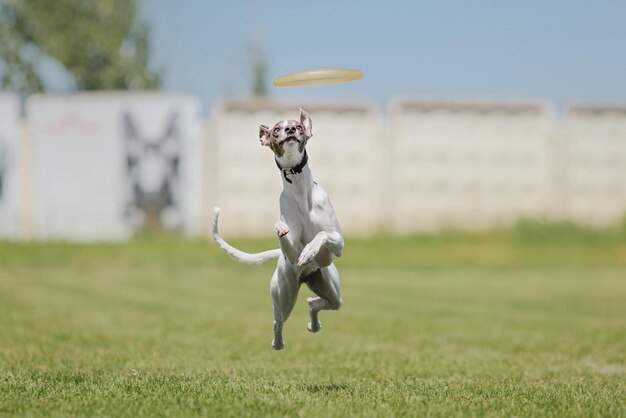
x=290, y=130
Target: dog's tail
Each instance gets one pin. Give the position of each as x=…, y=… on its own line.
x=255, y=258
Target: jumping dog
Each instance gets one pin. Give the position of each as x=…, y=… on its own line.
x=308, y=231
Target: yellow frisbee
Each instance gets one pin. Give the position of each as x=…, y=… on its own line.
x=318, y=76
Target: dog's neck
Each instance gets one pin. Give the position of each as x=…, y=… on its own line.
x=296, y=175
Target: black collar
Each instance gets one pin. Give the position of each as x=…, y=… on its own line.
x=295, y=170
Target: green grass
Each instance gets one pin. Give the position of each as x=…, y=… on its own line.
x=527, y=322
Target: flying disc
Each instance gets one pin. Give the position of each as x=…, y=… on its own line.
x=318, y=76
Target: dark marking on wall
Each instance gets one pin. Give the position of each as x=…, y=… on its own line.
x=153, y=175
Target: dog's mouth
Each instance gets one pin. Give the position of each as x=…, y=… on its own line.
x=289, y=139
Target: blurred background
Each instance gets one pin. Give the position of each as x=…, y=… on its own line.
x=123, y=115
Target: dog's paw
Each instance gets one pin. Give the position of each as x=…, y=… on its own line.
x=312, y=248
x=307, y=255
x=315, y=304
x=281, y=229
x=309, y=252
x=278, y=345
x=314, y=326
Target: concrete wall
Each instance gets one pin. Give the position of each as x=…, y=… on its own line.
x=594, y=143
x=100, y=166
x=469, y=164
x=430, y=164
x=11, y=168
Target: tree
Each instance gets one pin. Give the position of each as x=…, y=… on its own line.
x=99, y=42
x=259, y=72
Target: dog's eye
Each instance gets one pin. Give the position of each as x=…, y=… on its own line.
x=276, y=131
x=300, y=128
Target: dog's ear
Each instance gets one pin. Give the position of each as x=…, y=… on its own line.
x=129, y=128
x=305, y=120
x=264, y=135
x=171, y=131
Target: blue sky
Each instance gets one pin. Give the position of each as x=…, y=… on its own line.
x=558, y=51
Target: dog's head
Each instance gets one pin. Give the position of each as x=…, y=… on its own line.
x=287, y=136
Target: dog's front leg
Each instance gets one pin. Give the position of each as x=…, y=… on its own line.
x=286, y=242
x=333, y=241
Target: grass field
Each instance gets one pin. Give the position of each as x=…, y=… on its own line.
x=528, y=322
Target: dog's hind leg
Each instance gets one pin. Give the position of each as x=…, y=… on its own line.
x=326, y=286
x=284, y=290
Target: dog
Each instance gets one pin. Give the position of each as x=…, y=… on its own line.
x=308, y=231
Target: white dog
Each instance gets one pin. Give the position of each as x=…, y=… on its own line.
x=309, y=234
